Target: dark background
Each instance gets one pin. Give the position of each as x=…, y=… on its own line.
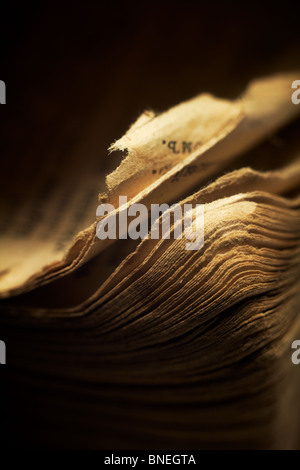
x=65, y=62
x=72, y=56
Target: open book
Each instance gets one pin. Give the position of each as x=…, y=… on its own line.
x=141, y=342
